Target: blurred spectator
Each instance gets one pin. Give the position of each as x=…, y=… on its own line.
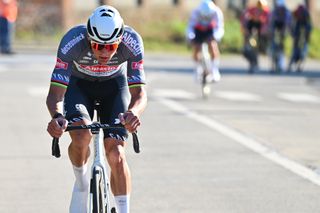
x=280, y=23
x=8, y=16
x=206, y=24
x=300, y=30
x=256, y=17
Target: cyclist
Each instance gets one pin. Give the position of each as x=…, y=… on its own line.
x=300, y=31
x=101, y=61
x=256, y=17
x=254, y=23
x=206, y=24
x=279, y=24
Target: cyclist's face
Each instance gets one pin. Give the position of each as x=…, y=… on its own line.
x=104, y=52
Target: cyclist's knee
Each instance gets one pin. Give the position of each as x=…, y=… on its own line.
x=214, y=50
x=115, y=153
x=196, y=54
x=81, y=136
x=80, y=139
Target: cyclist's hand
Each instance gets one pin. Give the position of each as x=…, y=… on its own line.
x=57, y=126
x=130, y=121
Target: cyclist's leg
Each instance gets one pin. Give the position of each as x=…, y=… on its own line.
x=120, y=178
x=196, y=54
x=215, y=59
x=111, y=106
x=294, y=57
x=79, y=110
x=77, y=107
x=282, y=57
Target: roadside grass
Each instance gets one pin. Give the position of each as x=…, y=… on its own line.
x=169, y=36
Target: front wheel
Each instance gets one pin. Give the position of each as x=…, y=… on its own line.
x=205, y=85
x=97, y=191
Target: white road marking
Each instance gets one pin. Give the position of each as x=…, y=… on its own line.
x=244, y=140
x=237, y=96
x=174, y=93
x=299, y=97
x=38, y=91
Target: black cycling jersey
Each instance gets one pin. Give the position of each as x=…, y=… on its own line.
x=75, y=58
x=87, y=81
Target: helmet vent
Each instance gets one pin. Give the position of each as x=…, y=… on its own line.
x=105, y=12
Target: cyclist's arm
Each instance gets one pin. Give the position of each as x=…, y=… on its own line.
x=55, y=100
x=219, y=30
x=131, y=118
x=138, y=100
x=58, y=123
x=190, y=34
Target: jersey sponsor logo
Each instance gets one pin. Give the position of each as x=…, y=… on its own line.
x=97, y=70
x=137, y=65
x=116, y=136
x=60, y=78
x=132, y=43
x=72, y=43
x=133, y=79
x=61, y=64
x=116, y=121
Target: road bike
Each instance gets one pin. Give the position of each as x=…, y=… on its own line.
x=99, y=192
x=206, y=67
x=251, y=51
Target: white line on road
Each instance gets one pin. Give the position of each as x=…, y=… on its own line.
x=237, y=96
x=244, y=140
x=299, y=97
x=174, y=93
x=38, y=91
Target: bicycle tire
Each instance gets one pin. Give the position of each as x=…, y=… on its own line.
x=97, y=190
x=205, y=87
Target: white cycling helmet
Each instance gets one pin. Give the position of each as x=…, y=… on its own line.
x=206, y=8
x=105, y=25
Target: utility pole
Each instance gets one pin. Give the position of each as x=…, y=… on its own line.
x=142, y=3
x=178, y=3
x=311, y=5
x=104, y=2
x=66, y=13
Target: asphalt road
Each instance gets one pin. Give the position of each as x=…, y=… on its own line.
x=252, y=147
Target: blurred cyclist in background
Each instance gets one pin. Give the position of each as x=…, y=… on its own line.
x=254, y=22
x=280, y=22
x=256, y=17
x=206, y=24
x=300, y=30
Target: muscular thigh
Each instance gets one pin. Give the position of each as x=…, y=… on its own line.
x=112, y=94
